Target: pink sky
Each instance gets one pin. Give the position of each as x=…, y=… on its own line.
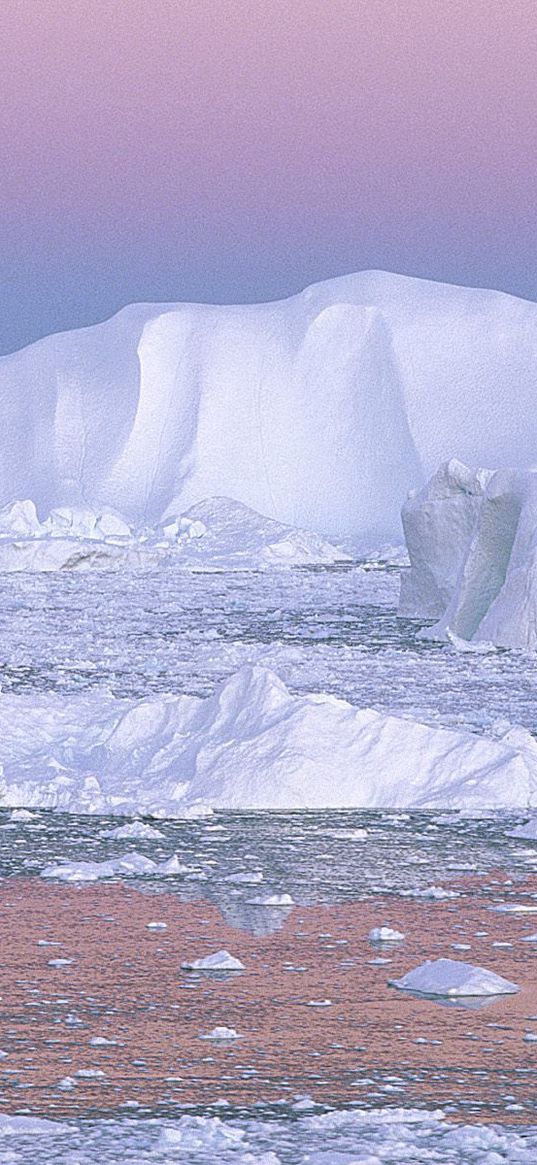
x=238, y=149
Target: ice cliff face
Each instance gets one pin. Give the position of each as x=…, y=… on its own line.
x=472, y=542
x=320, y=411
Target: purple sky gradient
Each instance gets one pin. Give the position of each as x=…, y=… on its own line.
x=235, y=150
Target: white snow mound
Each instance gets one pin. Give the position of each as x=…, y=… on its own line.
x=251, y=745
x=449, y=977
x=320, y=411
x=472, y=542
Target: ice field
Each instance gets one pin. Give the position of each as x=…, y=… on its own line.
x=268, y=857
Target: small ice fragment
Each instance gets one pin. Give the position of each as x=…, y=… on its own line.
x=221, y=1033
x=514, y=908
x=220, y=961
x=385, y=934
x=60, y=962
x=137, y=829
x=435, y=893
x=157, y=925
x=172, y=866
x=274, y=900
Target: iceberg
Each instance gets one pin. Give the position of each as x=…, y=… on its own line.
x=221, y=961
x=450, y=977
x=250, y=745
x=472, y=543
x=320, y=411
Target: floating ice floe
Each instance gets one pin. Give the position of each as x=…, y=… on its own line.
x=130, y=865
x=472, y=541
x=385, y=934
x=450, y=977
x=220, y=961
x=251, y=745
x=431, y=894
x=526, y=832
x=136, y=829
x=274, y=900
x=515, y=908
x=221, y=1034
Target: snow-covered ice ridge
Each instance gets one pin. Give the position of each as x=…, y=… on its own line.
x=472, y=541
x=320, y=411
x=251, y=745
x=216, y=534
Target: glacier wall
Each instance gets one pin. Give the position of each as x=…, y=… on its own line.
x=320, y=411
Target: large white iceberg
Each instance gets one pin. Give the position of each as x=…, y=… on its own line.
x=252, y=744
x=472, y=542
x=320, y=411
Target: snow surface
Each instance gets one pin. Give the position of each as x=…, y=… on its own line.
x=343, y=1137
x=252, y=744
x=450, y=977
x=472, y=542
x=321, y=411
x=217, y=534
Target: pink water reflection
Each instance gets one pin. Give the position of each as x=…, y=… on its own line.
x=125, y=985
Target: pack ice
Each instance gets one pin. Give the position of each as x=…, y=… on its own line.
x=472, y=541
x=252, y=744
x=320, y=411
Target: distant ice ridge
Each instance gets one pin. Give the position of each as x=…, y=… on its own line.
x=216, y=534
x=472, y=541
x=320, y=411
x=252, y=744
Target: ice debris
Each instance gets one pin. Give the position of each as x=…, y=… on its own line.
x=220, y=961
